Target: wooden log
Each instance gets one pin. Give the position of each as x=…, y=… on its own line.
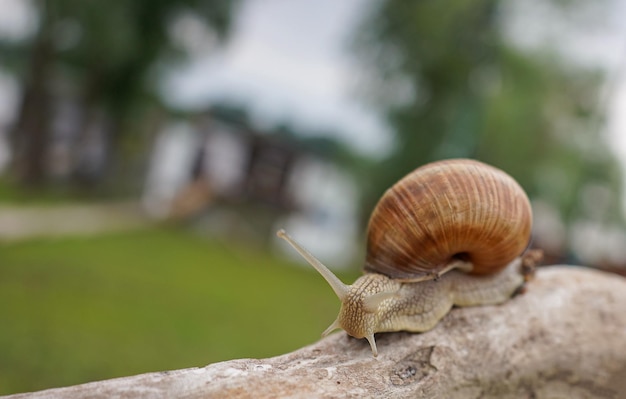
x=564, y=338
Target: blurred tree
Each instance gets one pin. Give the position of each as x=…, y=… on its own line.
x=103, y=59
x=321, y=142
x=451, y=85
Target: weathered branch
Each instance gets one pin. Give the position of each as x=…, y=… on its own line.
x=564, y=338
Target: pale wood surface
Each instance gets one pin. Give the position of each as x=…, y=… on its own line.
x=564, y=338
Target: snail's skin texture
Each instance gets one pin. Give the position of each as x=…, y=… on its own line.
x=419, y=306
x=449, y=233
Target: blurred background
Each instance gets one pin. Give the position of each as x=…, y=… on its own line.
x=150, y=149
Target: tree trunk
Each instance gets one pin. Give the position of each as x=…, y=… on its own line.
x=33, y=126
x=564, y=338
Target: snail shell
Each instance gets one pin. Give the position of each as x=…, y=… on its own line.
x=447, y=210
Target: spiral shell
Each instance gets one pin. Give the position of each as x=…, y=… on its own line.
x=446, y=210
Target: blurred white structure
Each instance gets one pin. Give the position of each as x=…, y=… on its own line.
x=238, y=176
x=171, y=161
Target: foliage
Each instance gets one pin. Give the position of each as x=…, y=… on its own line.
x=451, y=85
x=101, y=60
x=81, y=309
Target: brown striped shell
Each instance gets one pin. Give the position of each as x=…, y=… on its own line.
x=445, y=210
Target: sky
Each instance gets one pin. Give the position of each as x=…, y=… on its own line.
x=288, y=61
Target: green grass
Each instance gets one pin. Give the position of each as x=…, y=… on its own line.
x=74, y=310
x=11, y=193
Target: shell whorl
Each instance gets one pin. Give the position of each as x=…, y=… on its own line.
x=444, y=210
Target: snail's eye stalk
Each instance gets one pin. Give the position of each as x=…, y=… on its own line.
x=341, y=290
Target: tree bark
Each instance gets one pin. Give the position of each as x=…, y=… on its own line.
x=565, y=337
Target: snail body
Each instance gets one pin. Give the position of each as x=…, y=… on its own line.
x=449, y=233
x=418, y=307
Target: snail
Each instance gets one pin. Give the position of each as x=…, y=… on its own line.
x=449, y=233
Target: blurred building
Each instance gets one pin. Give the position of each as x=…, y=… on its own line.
x=233, y=180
